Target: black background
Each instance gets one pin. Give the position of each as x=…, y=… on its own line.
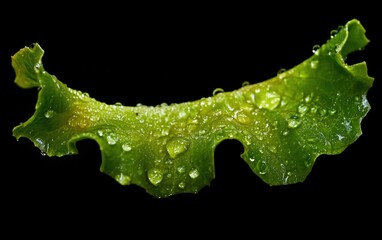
x=174, y=53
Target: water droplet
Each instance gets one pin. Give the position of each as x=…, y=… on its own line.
x=100, y=133
x=322, y=111
x=181, y=169
x=308, y=98
x=332, y=111
x=123, y=179
x=251, y=159
x=112, y=138
x=217, y=91
x=262, y=167
x=316, y=49
x=155, y=176
x=126, y=147
x=43, y=153
x=245, y=83
x=337, y=48
x=243, y=118
x=118, y=104
x=194, y=173
x=202, y=132
x=273, y=149
x=340, y=137
x=302, y=109
x=269, y=100
x=283, y=102
x=333, y=33
x=281, y=73
x=49, y=114
x=181, y=185
x=308, y=162
x=176, y=146
x=182, y=114
x=314, y=64
x=169, y=161
x=38, y=66
x=157, y=161
x=294, y=121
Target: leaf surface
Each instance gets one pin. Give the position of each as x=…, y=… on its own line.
x=284, y=123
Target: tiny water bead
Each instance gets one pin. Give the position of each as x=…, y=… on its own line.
x=281, y=73
x=245, y=83
x=181, y=169
x=262, y=167
x=112, y=138
x=181, y=185
x=333, y=33
x=243, y=118
x=126, y=147
x=302, y=109
x=123, y=179
x=314, y=64
x=49, y=114
x=217, y=91
x=316, y=48
x=294, y=121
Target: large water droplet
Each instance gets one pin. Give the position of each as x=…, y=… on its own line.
x=194, y=173
x=155, y=176
x=176, y=146
x=181, y=185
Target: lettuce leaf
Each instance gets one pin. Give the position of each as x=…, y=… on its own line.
x=284, y=123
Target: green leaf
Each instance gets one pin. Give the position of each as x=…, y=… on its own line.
x=284, y=123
